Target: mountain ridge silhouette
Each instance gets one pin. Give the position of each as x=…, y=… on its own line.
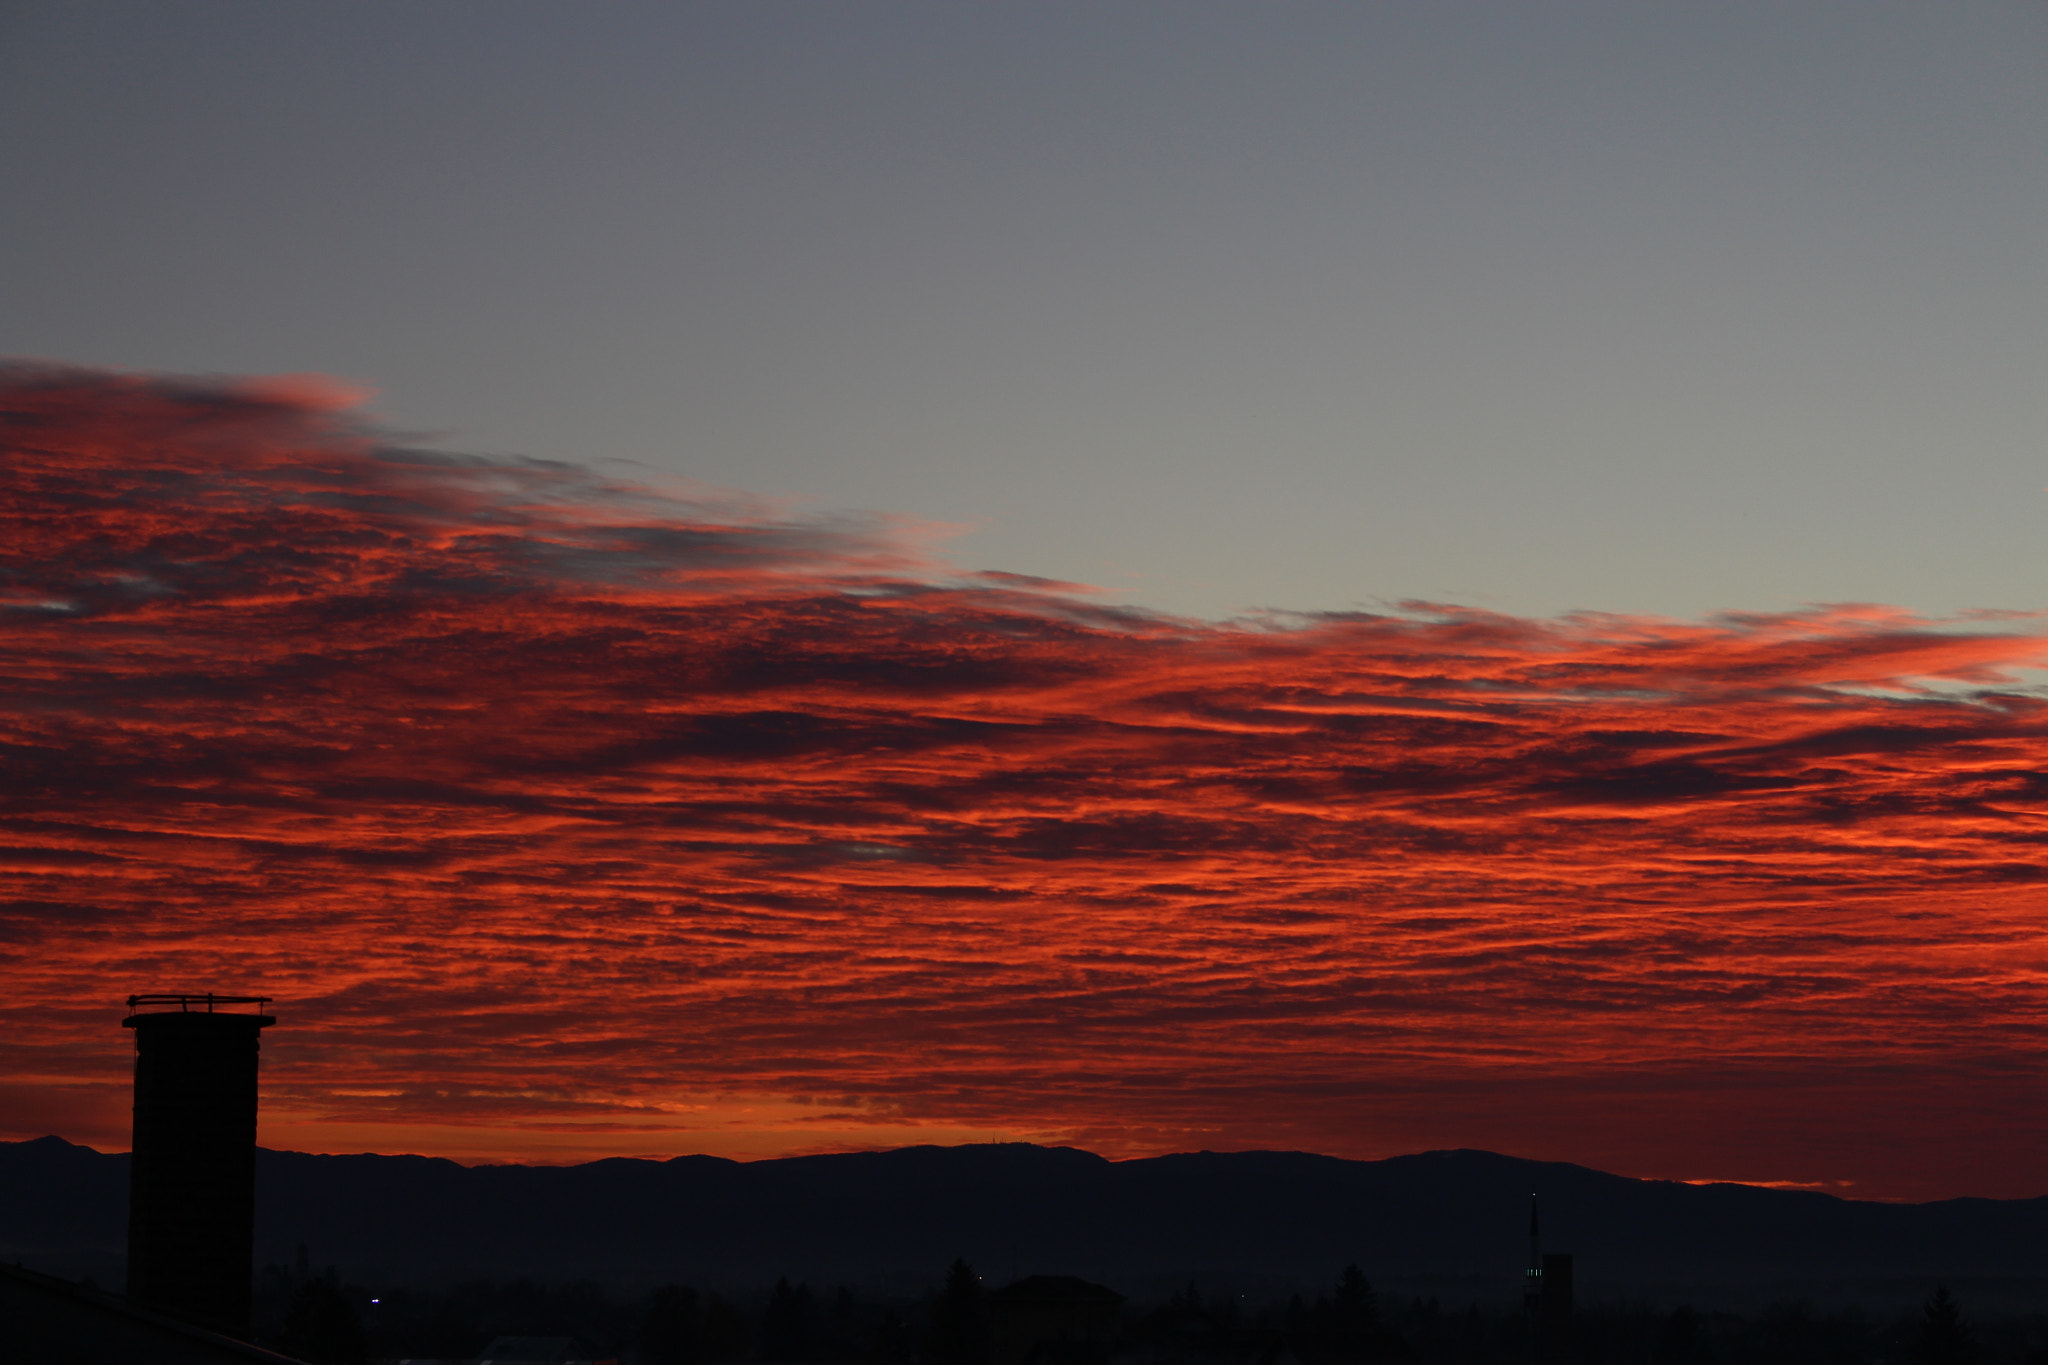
x=1447, y=1223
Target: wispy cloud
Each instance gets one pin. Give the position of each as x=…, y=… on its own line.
x=557, y=795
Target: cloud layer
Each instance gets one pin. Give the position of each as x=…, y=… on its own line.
x=554, y=804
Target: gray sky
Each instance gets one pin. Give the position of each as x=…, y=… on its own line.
x=1642, y=307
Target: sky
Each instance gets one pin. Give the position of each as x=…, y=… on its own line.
x=776, y=577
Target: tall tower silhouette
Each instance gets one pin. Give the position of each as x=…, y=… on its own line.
x=1532, y=1278
x=1547, y=1298
x=192, y=1178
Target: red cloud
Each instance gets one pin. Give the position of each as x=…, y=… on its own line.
x=548, y=803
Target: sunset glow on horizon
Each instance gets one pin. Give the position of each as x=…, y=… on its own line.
x=570, y=818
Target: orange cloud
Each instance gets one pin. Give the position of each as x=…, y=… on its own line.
x=548, y=804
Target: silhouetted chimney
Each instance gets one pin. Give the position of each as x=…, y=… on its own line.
x=192, y=1179
x=1532, y=1278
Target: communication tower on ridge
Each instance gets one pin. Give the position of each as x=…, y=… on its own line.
x=1547, y=1298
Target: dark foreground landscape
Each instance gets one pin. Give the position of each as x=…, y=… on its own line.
x=1220, y=1256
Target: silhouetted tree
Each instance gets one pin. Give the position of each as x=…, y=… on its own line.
x=839, y=1334
x=322, y=1328
x=1355, y=1311
x=1785, y=1331
x=1345, y=1326
x=959, y=1320
x=1190, y=1326
x=1945, y=1339
x=891, y=1345
x=786, y=1326
x=668, y=1335
x=724, y=1331
x=1681, y=1339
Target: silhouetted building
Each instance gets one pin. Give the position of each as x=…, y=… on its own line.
x=192, y=1179
x=1052, y=1320
x=1554, y=1314
x=1547, y=1298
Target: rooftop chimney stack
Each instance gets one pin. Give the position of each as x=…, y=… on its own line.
x=192, y=1178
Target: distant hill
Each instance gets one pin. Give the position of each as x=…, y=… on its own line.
x=1451, y=1224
